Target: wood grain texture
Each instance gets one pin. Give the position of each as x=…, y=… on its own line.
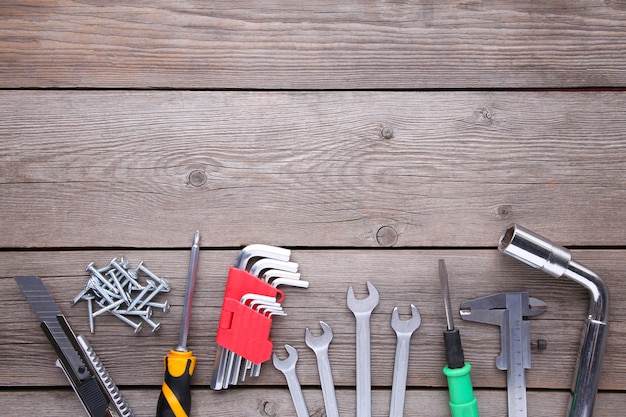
x=339, y=169
x=276, y=402
x=357, y=44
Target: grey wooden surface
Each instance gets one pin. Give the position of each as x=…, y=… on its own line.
x=371, y=138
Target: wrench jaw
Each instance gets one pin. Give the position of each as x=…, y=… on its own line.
x=408, y=325
x=318, y=342
x=365, y=305
x=288, y=367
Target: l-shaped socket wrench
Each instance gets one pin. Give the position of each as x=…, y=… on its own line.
x=540, y=253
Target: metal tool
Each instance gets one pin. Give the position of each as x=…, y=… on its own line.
x=179, y=363
x=404, y=330
x=230, y=367
x=362, y=310
x=288, y=367
x=319, y=345
x=508, y=311
x=462, y=400
x=260, y=251
x=82, y=368
x=540, y=253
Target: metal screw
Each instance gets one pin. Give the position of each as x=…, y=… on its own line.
x=155, y=326
x=165, y=306
x=107, y=308
x=151, y=296
x=136, y=326
x=150, y=285
x=119, y=286
x=142, y=268
x=89, y=299
x=146, y=313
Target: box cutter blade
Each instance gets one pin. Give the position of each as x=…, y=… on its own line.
x=86, y=374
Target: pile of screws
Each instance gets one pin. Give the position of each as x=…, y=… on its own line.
x=116, y=289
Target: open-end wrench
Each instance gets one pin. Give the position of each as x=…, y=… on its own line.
x=362, y=310
x=319, y=345
x=404, y=330
x=288, y=367
x=508, y=310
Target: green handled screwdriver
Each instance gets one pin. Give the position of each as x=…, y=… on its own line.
x=462, y=400
x=175, y=397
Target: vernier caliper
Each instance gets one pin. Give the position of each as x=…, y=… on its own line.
x=508, y=311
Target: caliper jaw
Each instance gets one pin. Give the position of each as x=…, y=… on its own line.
x=508, y=311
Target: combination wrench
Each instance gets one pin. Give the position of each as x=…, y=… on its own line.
x=362, y=310
x=288, y=367
x=404, y=330
x=319, y=345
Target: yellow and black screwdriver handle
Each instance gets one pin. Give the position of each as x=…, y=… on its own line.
x=175, y=397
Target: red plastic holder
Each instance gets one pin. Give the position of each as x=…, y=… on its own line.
x=244, y=330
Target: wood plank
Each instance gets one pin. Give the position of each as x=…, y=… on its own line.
x=276, y=402
x=322, y=45
x=401, y=276
x=309, y=169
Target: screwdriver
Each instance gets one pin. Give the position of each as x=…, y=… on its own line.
x=462, y=400
x=175, y=397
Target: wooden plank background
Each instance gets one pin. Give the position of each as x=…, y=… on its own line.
x=371, y=138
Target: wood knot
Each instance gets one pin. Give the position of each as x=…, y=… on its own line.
x=504, y=211
x=386, y=132
x=268, y=408
x=197, y=178
x=386, y=236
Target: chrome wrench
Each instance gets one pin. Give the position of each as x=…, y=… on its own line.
x=362, y=310
x=288, y=368
x=404, y=330
x=319, y=345
x=508, y=310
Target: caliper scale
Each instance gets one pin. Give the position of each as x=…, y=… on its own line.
x=508, y=311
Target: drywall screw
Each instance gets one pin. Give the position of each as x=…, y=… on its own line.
x=165, y=306
x=107, y=308
x=98, y=275
x=136, y=326
x=89, y=299
x=115, y=280
x=124, y=262
x=142, y=268
x=121, y=270
x=155, y=326
x=145, y=313
x=151, y=296
x=132, y=282
x=101, y=291
x=81, y=295
x=150, y=285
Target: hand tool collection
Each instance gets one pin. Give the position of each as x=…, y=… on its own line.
x=251, y=298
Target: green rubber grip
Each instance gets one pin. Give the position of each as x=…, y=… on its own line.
x=462, y=400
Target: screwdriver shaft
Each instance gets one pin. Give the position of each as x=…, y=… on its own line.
x=191, y=281
x=443, y=278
